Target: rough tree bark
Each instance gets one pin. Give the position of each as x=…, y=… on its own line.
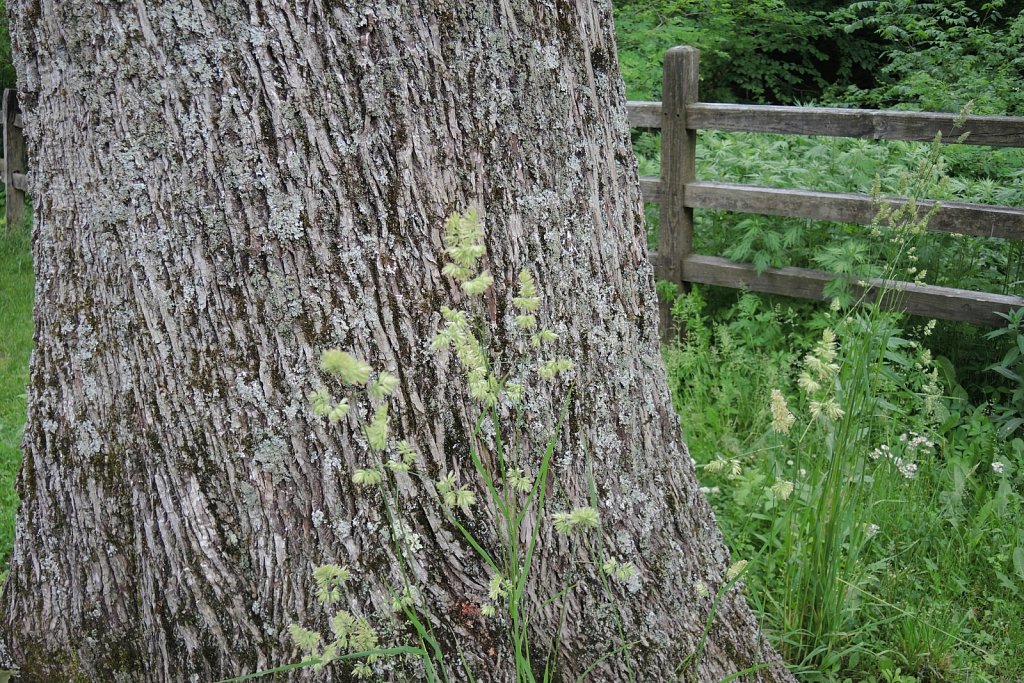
x=223, y=189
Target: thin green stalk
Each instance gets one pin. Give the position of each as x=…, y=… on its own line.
x=424, y=632
x=606, y=657
x=693, y=659
x=314, y=661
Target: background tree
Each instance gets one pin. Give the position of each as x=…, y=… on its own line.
x=225, y=189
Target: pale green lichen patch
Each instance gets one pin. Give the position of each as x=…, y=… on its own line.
x=87, y=439
x=250, y=497
x=271, y=455
x=285, y=216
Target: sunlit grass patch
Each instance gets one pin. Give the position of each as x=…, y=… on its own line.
x=16, y=285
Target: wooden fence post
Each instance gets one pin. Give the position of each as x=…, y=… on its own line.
x=680, y=75
x=15, y=165
x=678, y=159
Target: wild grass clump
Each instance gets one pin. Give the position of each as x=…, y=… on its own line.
x=881, y=502
x=516, y=486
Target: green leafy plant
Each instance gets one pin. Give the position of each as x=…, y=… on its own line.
x=1009, y=412
x=816, y=473
x=764, y=51
x=942, y=55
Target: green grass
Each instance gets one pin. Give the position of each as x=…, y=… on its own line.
x=861, y=570
x=935, y=589
x=16, y=285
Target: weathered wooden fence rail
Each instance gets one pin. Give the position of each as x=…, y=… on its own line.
x=15, y=161
x=678, y=191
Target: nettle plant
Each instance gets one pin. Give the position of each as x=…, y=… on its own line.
x=505, y=481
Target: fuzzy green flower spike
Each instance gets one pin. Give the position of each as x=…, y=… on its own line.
x=464, y=244
x=384, y=385
x=346, y=367
x=367, y=477
x=527, y=301
x=581, y=517
x=543, y=337
x=306, y=640
x=479, y=284
x=377, y=431
x=338, y=411
x=462, y=497
x=329, y=580
x=556, y=367
x=321, y=402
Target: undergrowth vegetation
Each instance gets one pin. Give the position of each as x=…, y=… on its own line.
x=887, y=534
x=869, y=463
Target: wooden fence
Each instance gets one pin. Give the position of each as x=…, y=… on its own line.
x=678, y=191
x=15, y=162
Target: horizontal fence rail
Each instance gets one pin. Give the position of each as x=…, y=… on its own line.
x=981, y=220
x=678, y=192
x=19, y=181
x=870, y=124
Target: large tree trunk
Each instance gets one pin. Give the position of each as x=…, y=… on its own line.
x=223, y=190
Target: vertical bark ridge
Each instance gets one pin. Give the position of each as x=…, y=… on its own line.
x=224, y=189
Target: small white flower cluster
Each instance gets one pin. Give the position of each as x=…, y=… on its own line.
x=912, y=446
x=907, y=469
x=882, y=451
x=870, y=530
x=915, y=444
x=998, y=467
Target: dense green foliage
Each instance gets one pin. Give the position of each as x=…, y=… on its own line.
x=762, y=50
x=885, y=537
x=934, y=56
x=7, y=76
x=941, y=56
x=867, y=566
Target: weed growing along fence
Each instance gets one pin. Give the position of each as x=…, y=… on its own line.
x=678, y=192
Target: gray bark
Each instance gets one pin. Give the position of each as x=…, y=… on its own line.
x=223, y=190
